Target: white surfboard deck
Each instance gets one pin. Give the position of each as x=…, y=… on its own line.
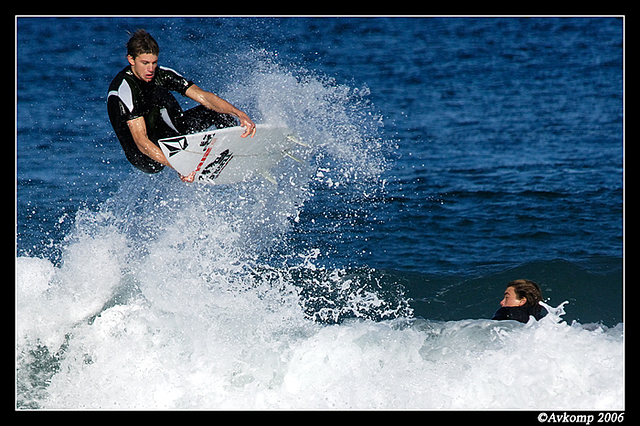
x=221, y=156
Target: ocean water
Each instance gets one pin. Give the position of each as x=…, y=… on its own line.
x=448, y=156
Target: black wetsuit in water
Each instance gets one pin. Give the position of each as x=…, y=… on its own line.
x=518, y=313
x=130, y=98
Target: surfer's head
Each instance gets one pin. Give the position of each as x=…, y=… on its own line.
x=142, y=54
x=521, y=293
x=142, y=42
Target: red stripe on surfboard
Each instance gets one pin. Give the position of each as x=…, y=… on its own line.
x=204, y=157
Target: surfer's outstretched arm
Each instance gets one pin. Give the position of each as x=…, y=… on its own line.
x=213, y=102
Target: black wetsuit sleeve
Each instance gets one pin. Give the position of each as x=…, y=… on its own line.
x=122, y=92
x=172, y=80
x=119, y=114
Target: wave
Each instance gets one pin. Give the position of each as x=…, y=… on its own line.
x=246, y=340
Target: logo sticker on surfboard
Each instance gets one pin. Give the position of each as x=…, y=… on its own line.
x=214, y=169
x=175, y=145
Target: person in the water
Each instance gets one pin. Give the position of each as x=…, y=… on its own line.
x=520, y=302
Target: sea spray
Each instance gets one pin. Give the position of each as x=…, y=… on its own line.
x=339, y=121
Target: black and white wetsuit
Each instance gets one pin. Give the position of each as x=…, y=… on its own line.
x=130, y=98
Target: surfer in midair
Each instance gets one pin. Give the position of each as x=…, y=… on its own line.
x=142, y=109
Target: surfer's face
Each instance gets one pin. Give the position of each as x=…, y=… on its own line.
x=511, y=300
x=144, y=66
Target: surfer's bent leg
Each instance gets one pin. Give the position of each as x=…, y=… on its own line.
x=199, y=118
x=137, y=158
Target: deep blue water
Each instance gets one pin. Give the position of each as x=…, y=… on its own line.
x=484, y=150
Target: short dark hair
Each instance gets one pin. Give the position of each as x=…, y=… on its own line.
x=528, y=289
x=141, y=42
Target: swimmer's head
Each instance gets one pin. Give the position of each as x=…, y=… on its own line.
x=521, y=293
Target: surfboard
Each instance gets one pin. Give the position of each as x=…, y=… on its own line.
x=221, y=156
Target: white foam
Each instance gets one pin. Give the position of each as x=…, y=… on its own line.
x=51, y=299
x=233, y=339
x=136, y=357
x=33, y=278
